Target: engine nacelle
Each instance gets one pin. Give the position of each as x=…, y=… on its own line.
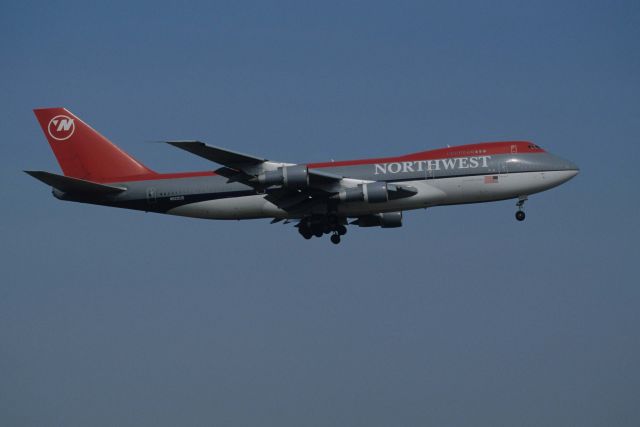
x=289, y=176
x=384, y=220
x=391, y=220
x=375, y=192
x=269, y=178
x=351, y=194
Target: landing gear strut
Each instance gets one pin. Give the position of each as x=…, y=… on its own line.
x=520, y=216
x=335, y=238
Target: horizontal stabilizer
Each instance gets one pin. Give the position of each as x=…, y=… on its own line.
x=219, y=155
x=73, y=185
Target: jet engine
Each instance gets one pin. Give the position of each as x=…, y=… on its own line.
x=383, y=220
x=296, y=177
x=376, y=192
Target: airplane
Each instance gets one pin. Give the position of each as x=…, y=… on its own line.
x=321, y=198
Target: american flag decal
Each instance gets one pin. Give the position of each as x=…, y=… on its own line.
x=493, y=179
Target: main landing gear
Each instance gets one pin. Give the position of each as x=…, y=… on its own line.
x=313, y=227
x=339, y=230
x=520, y=216
x=335, y=238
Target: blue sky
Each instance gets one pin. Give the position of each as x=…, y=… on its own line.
x=461, y=317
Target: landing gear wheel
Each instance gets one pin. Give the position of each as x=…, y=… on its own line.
x=520, y=214
x=335, y=239
x=342, y=230
x=305, y=232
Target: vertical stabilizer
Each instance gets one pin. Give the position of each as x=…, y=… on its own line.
x=83, y=153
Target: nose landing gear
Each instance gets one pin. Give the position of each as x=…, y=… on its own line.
x=520, y=216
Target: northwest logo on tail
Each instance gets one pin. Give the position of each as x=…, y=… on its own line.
x=61, y=127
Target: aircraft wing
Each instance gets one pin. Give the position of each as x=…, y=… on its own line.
x=324, y=177
x=290, y=186
x=225, y=157
x=243, y=167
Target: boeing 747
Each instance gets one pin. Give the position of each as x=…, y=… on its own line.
x=321, y=198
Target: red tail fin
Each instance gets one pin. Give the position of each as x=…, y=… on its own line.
x=84, y=153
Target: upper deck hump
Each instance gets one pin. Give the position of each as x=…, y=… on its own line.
x=483, y=148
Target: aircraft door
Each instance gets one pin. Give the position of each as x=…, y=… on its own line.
x=504, y=167
x=429, y=174
x=151, y=195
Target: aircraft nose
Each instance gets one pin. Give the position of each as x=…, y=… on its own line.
x=561, y=169
x=573, y=168
x=567, y=165
x=570, y=169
